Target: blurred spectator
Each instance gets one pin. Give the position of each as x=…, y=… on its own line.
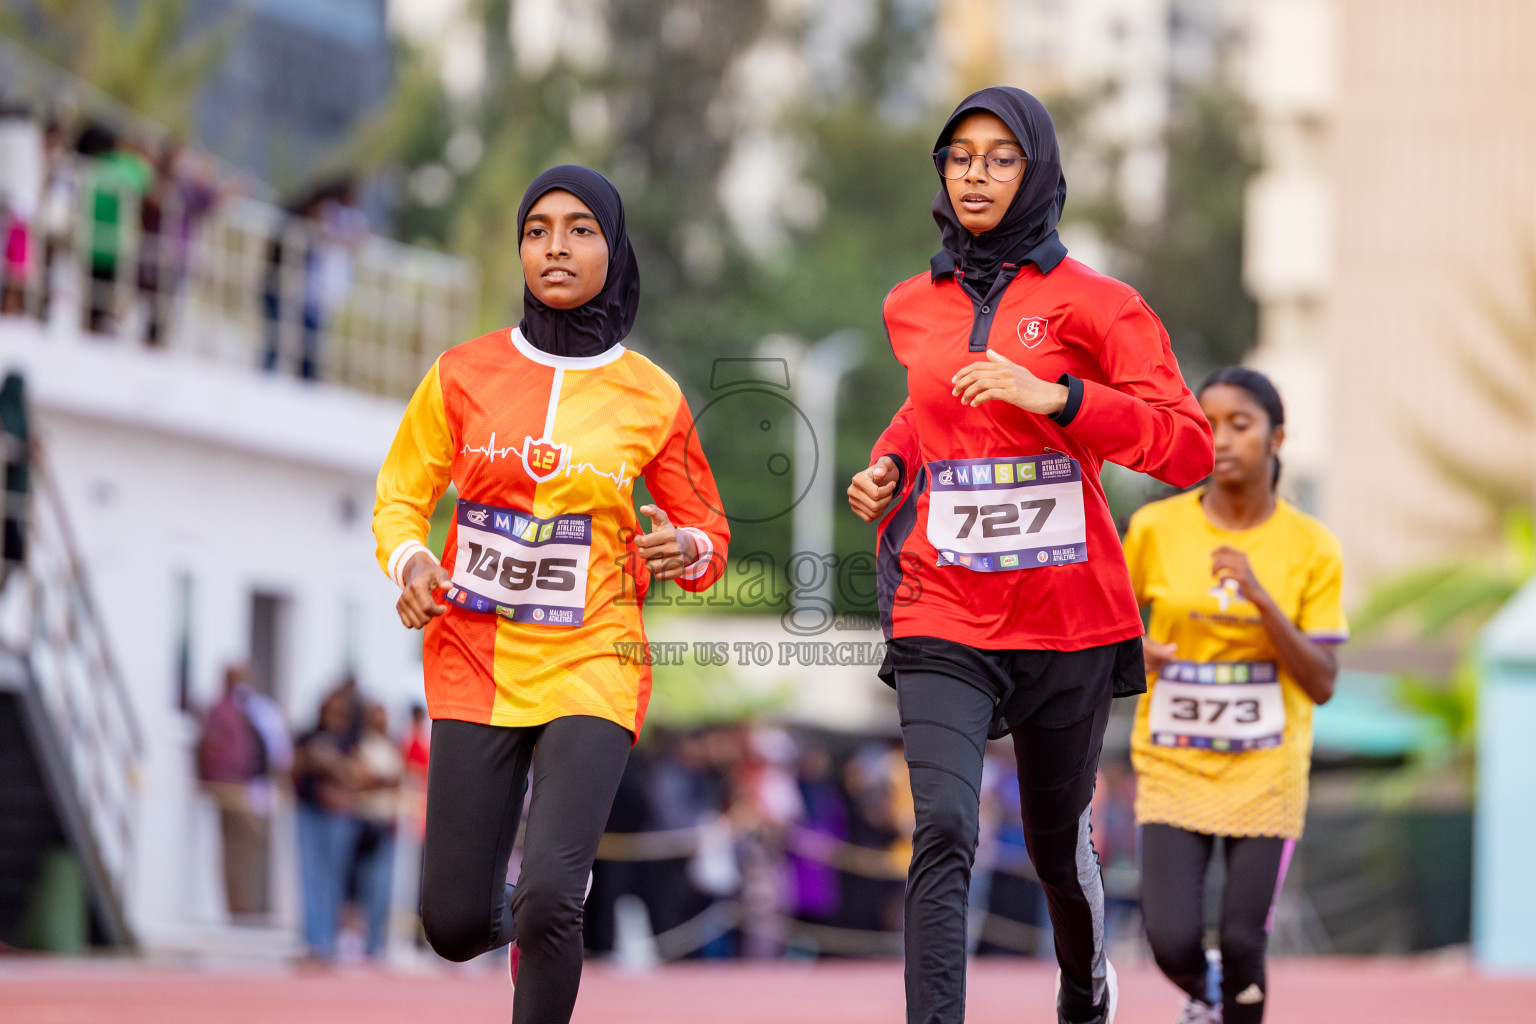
x=880, y=797
x=343, y=225
x=817, y=889
x=236, y=758
x=21, y=193
x=117, y=181
x=416, y=747
x=184, y=192
x=309, y=272
x=327, y=830
x=376, y=778
x=766, y=803
x=60, y=210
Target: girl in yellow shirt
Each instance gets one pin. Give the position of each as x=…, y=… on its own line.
x=1246, y=616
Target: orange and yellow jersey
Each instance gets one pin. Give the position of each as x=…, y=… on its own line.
x=1222, y=741
x=544, y=451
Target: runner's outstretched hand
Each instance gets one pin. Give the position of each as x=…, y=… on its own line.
x=872, y=489
x=666, y=551
x=422, y=575
x=1005, y=380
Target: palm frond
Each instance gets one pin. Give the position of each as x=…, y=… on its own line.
x=1497, y=489
x=1448, y=597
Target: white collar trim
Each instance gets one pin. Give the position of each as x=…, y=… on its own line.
x=543, y=358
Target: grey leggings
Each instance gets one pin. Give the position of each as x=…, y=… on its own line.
x=944, y=724
x=475, y=787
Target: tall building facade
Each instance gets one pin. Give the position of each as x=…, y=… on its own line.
x=1397, y=204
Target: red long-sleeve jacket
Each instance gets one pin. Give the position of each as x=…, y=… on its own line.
x=1128, y=404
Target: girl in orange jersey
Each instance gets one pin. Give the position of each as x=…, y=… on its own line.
x=543, y=429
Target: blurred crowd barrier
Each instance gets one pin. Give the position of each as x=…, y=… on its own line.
x=148, y=242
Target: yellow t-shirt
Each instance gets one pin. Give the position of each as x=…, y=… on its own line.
x=1261, y=790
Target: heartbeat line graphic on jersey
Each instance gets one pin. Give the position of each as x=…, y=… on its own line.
x=544, y=459
x=490, y=450
x=620, y=479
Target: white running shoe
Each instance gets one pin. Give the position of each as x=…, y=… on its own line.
x=1111, y=993
x=1199, y=1012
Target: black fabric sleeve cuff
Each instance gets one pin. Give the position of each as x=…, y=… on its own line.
x=901, y=471
x=1068, y=412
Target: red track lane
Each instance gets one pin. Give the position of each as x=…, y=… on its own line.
x=1304, y=992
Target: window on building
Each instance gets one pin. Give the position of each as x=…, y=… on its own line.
x=270, y=615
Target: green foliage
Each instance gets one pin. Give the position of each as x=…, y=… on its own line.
x=1446, y=768
x=140, y=54
x=1188, y=262
x=1189, y=265
x=1451, y=599
x=1505, y=379
x=690, y=695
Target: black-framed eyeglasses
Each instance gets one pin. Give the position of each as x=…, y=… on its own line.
x=1001, y=164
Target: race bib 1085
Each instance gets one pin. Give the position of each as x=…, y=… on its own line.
x=519, y=566
x=1006, y=513
x=1225, y=706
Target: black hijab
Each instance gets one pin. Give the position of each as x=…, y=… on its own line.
x=1031, y=218
x=604, y=320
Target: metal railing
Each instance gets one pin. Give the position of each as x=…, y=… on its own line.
x=245, y=284
x=241, y=282
x=49, y=620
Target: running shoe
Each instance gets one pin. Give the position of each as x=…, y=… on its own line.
x=1111, y=996
x=1199, y=1012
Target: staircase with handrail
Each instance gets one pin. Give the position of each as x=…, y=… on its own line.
x=71, y=748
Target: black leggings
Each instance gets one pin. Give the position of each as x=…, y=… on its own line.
x=1173, y=865
x=944, y=723
x=475, y=787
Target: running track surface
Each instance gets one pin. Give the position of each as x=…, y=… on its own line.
x=1310, y=991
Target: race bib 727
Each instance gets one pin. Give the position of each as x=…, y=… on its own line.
x=1005, y=513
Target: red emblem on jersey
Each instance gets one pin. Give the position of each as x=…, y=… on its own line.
x=543, y=459
x=1032, y=330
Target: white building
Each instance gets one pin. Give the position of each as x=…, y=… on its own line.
x=211, y=511
x=1395, y=209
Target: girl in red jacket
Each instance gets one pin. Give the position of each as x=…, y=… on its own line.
x=1003, y=592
